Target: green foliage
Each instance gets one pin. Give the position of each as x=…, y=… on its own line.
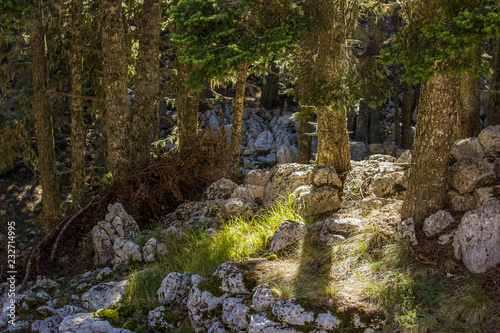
x=444, y=39
x=109, y=315
x=15, y=144
x=219, y=38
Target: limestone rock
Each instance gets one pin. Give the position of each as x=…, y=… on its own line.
x=477, y=239
x=87, y=323
x=405, y=157
x=216, y=328
x=249, y=192
x=490, y=140
x=126, y=251
x=152, y=249
x=158, y=321
x=286, y=154
x=234, y=313
x=458, y=202
x=437, y=222
x=220, y=190
x=484, y=196
x=203, y=308
x=283, y=179
x=406, y=231
x=329, y=229
x=381, y=157
x=45, y=283
x=358, y=150
x=262, y=298
x=267, y=160
x=235, y=278
x=391, y=183
x=103, y=273
x=48, y=325
x=190, y=209
x=467, y=175
x=291, y=313
x=259, y=323
x=287, y=233
x=312, y=200
x=466, y=149
x=239, y=207
x=256, y=177
x=103, y=246
x=103, y=295
x=376, y=149
x=327, y=321
x=125, y=225
x=446, y=238
x=174, y=286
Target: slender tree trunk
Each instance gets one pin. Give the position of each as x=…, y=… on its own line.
x=429, y=164
x=187, y=106
x=333, y=141
x=493, y=115
x=375, y=128
x=397, y=123
x=43, y=116
x=305, y=141
x=146, y=92
x=269, y=93
x=77, y=125
x=363, y=123
x=238, y=105
x=468, y=110
x=406, y=139
x=117, y=115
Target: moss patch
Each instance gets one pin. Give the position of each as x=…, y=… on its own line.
x=212, y=285
x=109, y=315
x=250, y=280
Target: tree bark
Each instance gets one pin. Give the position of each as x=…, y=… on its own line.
x=269, y=91
x=363, y=123
x=375, y=125
x=116, y=120
x=77, y=125
x=493, y=115
x=187, y=107
x=305, y=141
x=429, y=164
x=397, y=123
x=238, y=106
x=43, y=116
x=409, y=96
x=333, y=141
x=468, y=111
x=147, y=82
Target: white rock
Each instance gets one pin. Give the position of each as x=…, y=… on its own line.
x=292, y=313
x=174, y=286
x=249, y=192
x=406, y=231
x=45, y=283
x=484, y=196
x=87, y=323
x=490, y=140
x=467, y=175
x=264, y=142
x=232, y=278
x=259, y=323
x=256, y=177
x=234, y=313
x=48, y=325
x=239, y=207
x=477, y=239
x=103, y=295
x=287, y=233
x=437, y=222
x=327, y=321
x=446, y=238
x=262, y=298
x=312, y=200
x=157, y=322
x=286, y=154
x=467, y=148
x=202, y=307
x=458, y=202
x=220, y=190
x=216, y=328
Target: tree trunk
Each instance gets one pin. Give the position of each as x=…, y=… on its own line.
x=116, y=120
x=187, y=106
x=493, y=115
x=269, y=91
x=238, y=105
x=77, y=125
x=406, y=139
x=43, y=116
x=375, y=125
x=429, y=164
x=363, y=123
x=305, y=141
x=468, y=111
x=147, y=82
x=333, y=141
x=397, y=120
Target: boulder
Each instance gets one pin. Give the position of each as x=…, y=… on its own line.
x=466, y=149
x=327, y=321
x=405, y=157
x=126, y=251
x=291, y=313
x=256, y=177
x=477, y=239
x=234, y=313
x=239, y=207
x=123, y=223
x=437, y=222
x=217, y=327
x=467, y=175
x=382, y=158
x=103, y=246
x=456, y=201
x=328, y=229
x=220, y=190
x=490, y=140
x=103, y=295
x=235, y=278
x=283, y=179
x=287, y=233
x=358, y=150
x=152, y=249
x=390, y=148
x=268, y=160
x=174, y=286
x=87, y=323
x=162, y=320
x=204, y=308
x=376, y=149
x=48, y=325
x=312, y=200
x=264, y=142
x=262, y=298
x=484, y=196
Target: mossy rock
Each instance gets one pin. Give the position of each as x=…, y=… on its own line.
x=109, y=315
x=250, y=280
x=212, y=285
